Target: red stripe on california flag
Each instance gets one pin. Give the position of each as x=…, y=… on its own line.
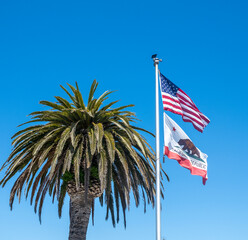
x=186, y=164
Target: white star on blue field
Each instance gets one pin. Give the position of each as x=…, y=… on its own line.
x=203, y=45
x=168, y=87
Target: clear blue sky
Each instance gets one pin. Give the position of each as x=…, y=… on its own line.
x=204, y=48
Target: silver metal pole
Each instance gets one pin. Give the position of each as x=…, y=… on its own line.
x=158, y=219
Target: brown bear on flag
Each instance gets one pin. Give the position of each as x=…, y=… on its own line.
x=178, y=146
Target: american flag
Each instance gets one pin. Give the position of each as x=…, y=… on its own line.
x=177, y=101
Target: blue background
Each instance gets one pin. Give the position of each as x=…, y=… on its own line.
x=204, y=48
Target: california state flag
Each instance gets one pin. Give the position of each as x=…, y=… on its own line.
x=178, y=146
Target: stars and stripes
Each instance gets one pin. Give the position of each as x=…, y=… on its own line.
x=177, y=101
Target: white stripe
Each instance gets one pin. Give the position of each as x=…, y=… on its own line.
x=199, y=119
x=175, y=109
x=202, y=115
x=191, y=104
x=205, y=123
x=198, y=113
x=172, y=102
x=195, y=110
x=192, y=116
x=186, y=102
x=194, y=123
x=167, y=94
x=189, y=100
x=185, y=96
x=190, y=109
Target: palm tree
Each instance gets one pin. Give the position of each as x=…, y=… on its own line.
x=86, y=151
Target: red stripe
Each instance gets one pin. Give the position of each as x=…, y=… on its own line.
x=196, y=127
x=193, y=111
x=190, y=101
x=189, y=119
x=187, y=103
x=194, y=121
x=177, y=107
x=171, y=110
x=198, y=120
x=186, y=164
x=199, y=115
x=170, y=98
x=171, y=104
x=181, y=98
x=204, y=118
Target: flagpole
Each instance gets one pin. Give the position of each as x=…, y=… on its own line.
x=158, y=219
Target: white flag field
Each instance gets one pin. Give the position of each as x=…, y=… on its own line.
x=178, y=146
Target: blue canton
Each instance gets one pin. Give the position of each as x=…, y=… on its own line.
x=167, y=86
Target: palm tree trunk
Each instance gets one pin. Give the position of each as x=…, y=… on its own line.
x=79, y=216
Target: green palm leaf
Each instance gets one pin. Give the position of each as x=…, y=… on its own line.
x=92, y=150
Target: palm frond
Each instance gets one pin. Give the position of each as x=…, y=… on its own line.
x=94, y=146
